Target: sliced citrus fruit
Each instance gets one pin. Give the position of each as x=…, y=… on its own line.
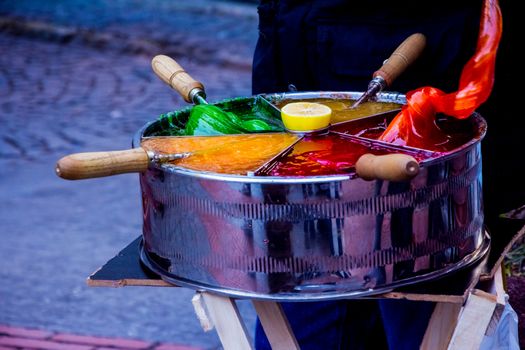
x=305, y=116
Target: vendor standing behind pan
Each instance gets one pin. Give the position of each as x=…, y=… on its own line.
x=335, y=46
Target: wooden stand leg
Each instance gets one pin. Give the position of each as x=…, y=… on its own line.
x=228, y=323
x=275, y=325
x=452, y=326
x=456, y=327
x=473, y=321
x=441, y=326
x=222, y=313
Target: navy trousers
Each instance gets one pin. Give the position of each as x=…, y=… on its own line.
x=355, y=324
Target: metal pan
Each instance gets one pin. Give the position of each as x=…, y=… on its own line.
x=313, y=237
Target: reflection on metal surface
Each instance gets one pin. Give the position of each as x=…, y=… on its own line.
x=340, y=288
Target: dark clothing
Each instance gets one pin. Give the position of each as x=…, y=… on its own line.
x=502, y=148
x=336, y=45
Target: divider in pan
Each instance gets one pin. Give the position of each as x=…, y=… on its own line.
x=457, y=133
x=310, y=156
x=338, y=154
x=364, y=127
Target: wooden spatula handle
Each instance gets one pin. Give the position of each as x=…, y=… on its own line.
x=98, y=164
x=389, y=167
x=175, y=76
x=405, y=54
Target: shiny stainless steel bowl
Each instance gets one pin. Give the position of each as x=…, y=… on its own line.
x=313, y=238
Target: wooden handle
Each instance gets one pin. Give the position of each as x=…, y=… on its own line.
x=98, y=164
x=401, y=58
x=175, y=76
x=389, y=167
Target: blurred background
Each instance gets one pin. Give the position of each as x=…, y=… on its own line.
x=75, y=76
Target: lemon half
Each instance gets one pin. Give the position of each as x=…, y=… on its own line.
x=305, y=116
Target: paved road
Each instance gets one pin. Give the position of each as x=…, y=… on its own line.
x=63, y=92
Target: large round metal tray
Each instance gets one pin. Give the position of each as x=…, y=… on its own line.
x=314, y=237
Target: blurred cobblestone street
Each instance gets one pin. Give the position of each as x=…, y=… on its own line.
x=75, y=77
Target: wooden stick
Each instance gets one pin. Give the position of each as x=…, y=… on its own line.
x=497, y=286
x=227, y=321
x=441, y=326
x=200, y=312
x=98, y=164
x=275, y=325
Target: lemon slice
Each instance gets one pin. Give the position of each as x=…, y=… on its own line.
x=305, y=116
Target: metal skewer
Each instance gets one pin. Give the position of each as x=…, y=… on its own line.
x=405, y=54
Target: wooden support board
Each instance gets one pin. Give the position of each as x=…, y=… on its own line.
x=441, y=326
x=125, y=269
x=473, y=321
x=459, y=327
